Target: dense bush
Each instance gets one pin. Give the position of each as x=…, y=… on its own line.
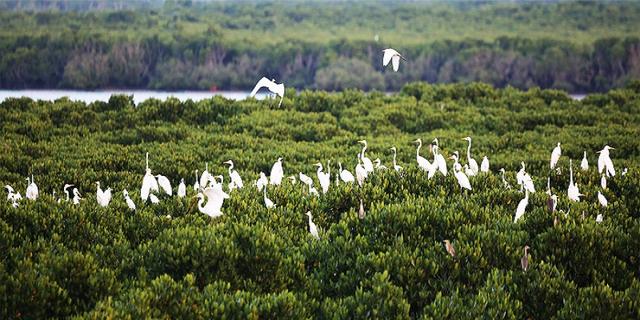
x=170, y=261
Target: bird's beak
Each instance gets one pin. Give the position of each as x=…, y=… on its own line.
x=612, y=148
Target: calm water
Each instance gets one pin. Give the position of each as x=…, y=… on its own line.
x=138, y=95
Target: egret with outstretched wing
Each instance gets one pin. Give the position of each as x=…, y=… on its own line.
x=276, y=88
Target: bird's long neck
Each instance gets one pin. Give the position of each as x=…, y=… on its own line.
x=469, y=151
x=364, y=148
x=394, y=157
x=67, y=193
x=570, y=172
x=418, y=150
x=319, y=171
x=340, y=166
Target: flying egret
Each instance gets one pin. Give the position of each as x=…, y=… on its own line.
x=345, y=175
x=149, y=182
x=504, y=181
x=524, y=261
x=196, y=185
x=276, y=88
x=276, y=173
x=393, y=56
x=164, y=184
x=313, y=229
x=584, y=165
x=32, y=189
x=323, y=178
x=484, y=165
x=361, y=172
x=462, y=178
x=267, y=202
x=473, y=165
x=603, y=201
x=182, y=189
x=522, y=206
x=76, y=196
x=66, y=192
x=555, y=156
x=423, y=163
x=395, y=165
x=128, y=200
x=366, y=162
x=215, y=198
x=234, y=175
x=103, y=197
x=438, y=160
x=262, y=181
x=450, y=249
x=604, y=162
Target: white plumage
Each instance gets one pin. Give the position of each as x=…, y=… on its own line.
x=182, y=189
x=484, y=165
x=603, y=201
x=275, y=177
x=276, y=88
x=522, y=206
x=555, y=156
x=313, y=229
x=164, y=184
x=393, y=56
x=604, y=162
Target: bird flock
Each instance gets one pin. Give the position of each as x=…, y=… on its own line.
x=211, y=192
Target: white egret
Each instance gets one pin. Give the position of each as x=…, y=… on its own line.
x=32, y=189
x=572, y=191
x=313, y=191
x=584, y=165
x=484, y=165
x=262, y=181
x=473, y=165
x=323, y=178
x=552, y=203
x=128, y=200
x=305, y=179
x=527, y=183
x=153, y=198
x=604, y=162
x=378, y=164
x=361, y=172
x=599, y=218
x=393, y=56
x=345, y=175
x=504, y=181
x=182, y=189
x=313, y=229
x=164, y=184
x=603, y=201
x=215, y=198
x=149, y=182
x=196, y=185
x=234, y=175
x=522, y=206
x=103, y=197
x=555, y=156
x=276, y=173
x=468, y=170
x=271, y=85
x=205, y=177
x=66, y=192
x=462, y=178
x=76, y=196
x=361, y=212
x=10, y=192
x=267, y=202
x=395, y=165
x=520, y=176
x=423, y=163
x=524, y=261
x=366, y=162
x=438, y=160
x=603, y=181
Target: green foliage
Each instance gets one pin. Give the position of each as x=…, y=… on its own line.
x=171, y=261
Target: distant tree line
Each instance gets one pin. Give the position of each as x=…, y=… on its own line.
x=47, y=61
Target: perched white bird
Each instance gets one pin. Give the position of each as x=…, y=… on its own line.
x=599, y=218
x=164, y=184
x=234, y=175
x=504, y=181
x=604, y=162
x=276, y=173
x=128, y=200
x=520, y=176
x=572, y=192
x=393, y=56
x=555, y=156
x=103, y=197
x=361, y=172
x=345, y=175
x=149, y=182
x=205, y=177
x=76, y=196
x=196, y=185
x=154, y=199
x=473, y=165
x=267, y=202
x=484, y=165
x=603, y=182
x=438, y=160
x=462, y=178
x=468, y=170
x=584, y=165
x=66, y=192
x=366, y=162
x=522, y=206
x=323, y=178
x=32, y=189
x=313, y=229
x=423, y=163
x=603, y=201
x=527, y=183
x=262, y=181
x=182, y=189
x=12, y=196
x=10, y=192
x=215, y=198
x=378, y=164
x=395, y=165
x=305, y=179
x=276, y=88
